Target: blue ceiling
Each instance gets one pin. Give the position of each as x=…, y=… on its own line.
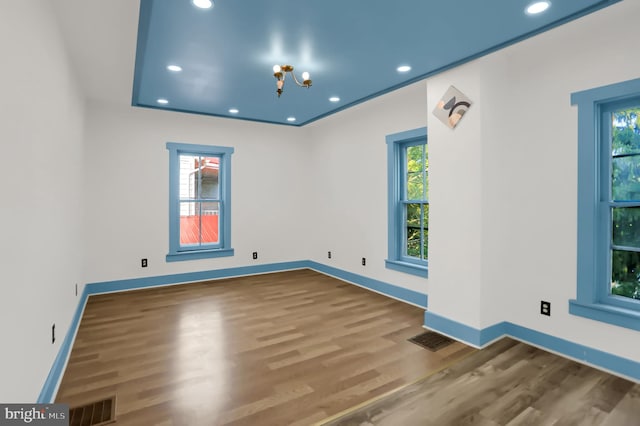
x=351, y=48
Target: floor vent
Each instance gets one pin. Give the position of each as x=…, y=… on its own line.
x=95, y=414
x=431, y=340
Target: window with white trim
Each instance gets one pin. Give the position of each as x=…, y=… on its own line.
x=199, y=201
x=609, y=204
x=408, y=198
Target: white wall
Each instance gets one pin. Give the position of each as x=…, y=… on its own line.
x=41, y=116
x=127, y=178
x=523, y=131
x=290, y=201
x=455, y=231
x=349, y=170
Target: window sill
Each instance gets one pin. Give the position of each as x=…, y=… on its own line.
x=606, y=313
x=199, y=254
x=408, y=268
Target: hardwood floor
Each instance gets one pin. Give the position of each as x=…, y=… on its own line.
x=509, y=383
x=277, y=349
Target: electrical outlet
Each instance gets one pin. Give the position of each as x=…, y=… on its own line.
x=255, y=255
x=144, y=263
x=329, y=254
x=364, y=261
x=53, y=333
x=545, y=308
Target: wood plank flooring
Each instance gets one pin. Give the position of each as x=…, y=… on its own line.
x=509, y=383
x=289, y=348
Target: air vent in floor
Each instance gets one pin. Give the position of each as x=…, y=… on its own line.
x=95, y=414
x=431, y=340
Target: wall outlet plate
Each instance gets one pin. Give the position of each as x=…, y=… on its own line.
x=144, y=263
x=255, y=255
x=364, y=261
x=545, y=308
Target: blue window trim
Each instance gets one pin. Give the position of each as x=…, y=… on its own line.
x=177, y=253
x=593, y=299
x=395, y=144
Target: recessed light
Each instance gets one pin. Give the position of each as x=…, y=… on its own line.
x=537, y=7
x=203, y=4
x=291, y=119
x=403, y=68
x=174, y=68
x=334, y=99
x=162, y=101
x=234, y=110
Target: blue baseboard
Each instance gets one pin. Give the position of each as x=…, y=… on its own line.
x=55, y=374
x=463, y=332
x=188, y=277
x=404, y=294
x=481, y=337
x=616, y=364
x=50, y=387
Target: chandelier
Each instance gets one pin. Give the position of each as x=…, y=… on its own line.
x=280, y=72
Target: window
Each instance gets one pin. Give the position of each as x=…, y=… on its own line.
x=199, y=201
x=609, y=204
x=408, y=191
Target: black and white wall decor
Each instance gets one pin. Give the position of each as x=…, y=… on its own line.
x=452, y=107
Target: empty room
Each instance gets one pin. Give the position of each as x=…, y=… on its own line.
x=225, y=212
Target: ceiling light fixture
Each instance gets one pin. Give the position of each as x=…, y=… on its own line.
x=291, y=119
x=280, y=72
x=403, y=68
x=334, y=99
x=234, y=110
x=162, y=101
x=203, y=4
x=174, y=68
x=537, y=7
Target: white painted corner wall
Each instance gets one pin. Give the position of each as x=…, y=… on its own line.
x=508, y=176
x=127, y=199
x=289, y=197
x=41, y=175
x=348, y=159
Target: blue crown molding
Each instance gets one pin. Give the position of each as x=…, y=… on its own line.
x=145, y=16
x=144, y=21
x=135, y=103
